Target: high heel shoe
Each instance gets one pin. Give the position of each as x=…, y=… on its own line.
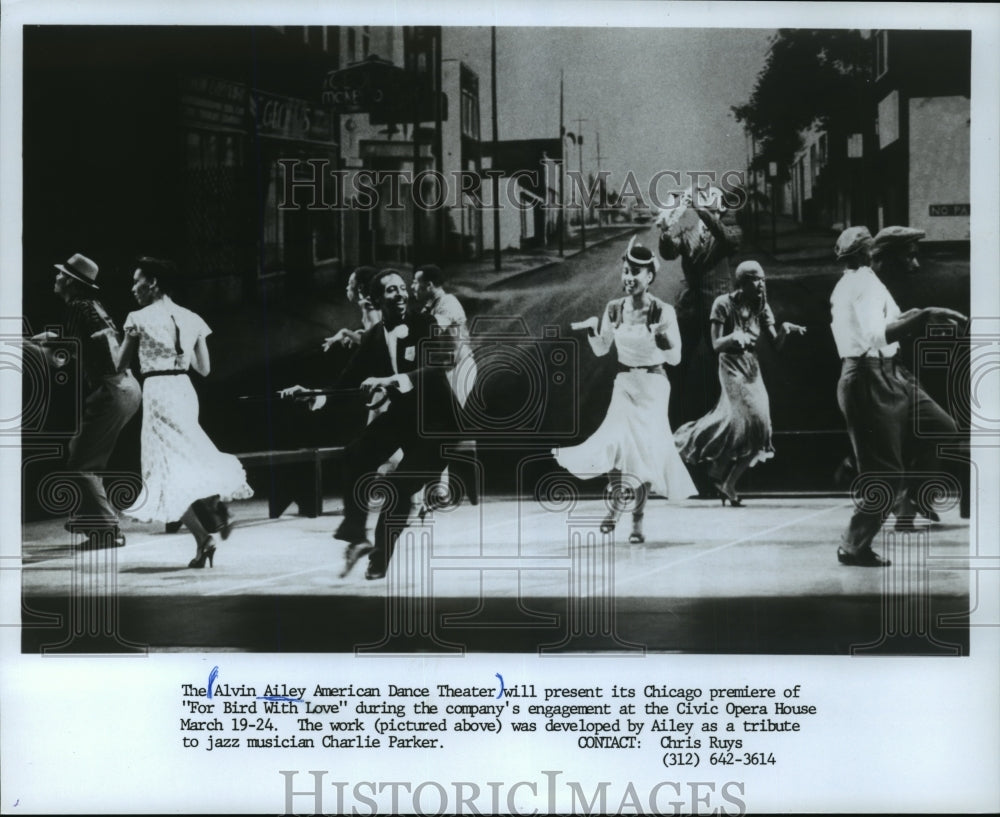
x=206, y=551
x=734, y=500
x=610, y=521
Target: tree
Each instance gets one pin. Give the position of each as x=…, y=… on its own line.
x=809, y=77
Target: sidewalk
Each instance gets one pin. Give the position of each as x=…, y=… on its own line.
x=482, y=274
x=792, y=243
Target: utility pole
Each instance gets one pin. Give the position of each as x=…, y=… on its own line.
x=583, y=204
x=496, y=150
x=562, y=168
x=602, y=201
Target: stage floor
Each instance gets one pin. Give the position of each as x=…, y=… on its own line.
x=511, y=576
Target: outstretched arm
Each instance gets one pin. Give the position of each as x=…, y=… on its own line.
x=913, y=321
x=121, y=353
x=780, y=334
x=601, y=339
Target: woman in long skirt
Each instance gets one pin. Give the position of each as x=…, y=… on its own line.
x=736, y=434
x=184, y=475
x=635, y=437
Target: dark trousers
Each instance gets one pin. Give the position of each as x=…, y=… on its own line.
x=106, y=411
x=883, y=406
x=421, y=464
x=694, y=382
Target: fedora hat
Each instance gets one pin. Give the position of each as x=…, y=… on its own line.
x=80, y=268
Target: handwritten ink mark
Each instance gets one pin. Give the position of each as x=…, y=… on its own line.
x=498, y=675
x=211, y=679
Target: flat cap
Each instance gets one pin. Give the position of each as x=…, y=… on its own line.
x=894, y=237
x=748, y=268
x=852, y=240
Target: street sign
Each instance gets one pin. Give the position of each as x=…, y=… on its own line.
x=948, y=210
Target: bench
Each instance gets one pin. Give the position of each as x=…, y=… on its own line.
x=296, y=475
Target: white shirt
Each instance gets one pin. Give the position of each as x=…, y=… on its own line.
x=636, y=343
x=448, y=312
x=861, y=308
x=392, y=336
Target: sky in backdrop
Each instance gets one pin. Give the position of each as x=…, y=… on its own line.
x=656, y=98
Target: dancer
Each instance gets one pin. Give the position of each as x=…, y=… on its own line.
x=880, y=400
x=736, y=434
x=113, y=395
x=446, y=309
x=700, y=232
x=418, y=419
x=357, y=293
x=184, y=476
x=635, y=436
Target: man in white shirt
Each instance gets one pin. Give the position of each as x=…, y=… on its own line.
x=446, y=309
x=880, y=399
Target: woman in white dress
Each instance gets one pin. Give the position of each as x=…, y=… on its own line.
x=635, y=437
x=182, y=471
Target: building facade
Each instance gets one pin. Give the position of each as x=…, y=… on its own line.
x=922, y=93
x=909, y=164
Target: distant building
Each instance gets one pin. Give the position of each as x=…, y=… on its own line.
x=528, y=198
x=922, y=91
x=909, y=164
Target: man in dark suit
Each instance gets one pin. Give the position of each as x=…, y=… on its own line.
x=390, y=363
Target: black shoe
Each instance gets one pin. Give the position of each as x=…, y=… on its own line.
x=206, y=552
x=374, y=573
x=863, y=558
x=353, y=553
x=172, y=527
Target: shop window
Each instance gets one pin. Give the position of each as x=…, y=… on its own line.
x=469, y=115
